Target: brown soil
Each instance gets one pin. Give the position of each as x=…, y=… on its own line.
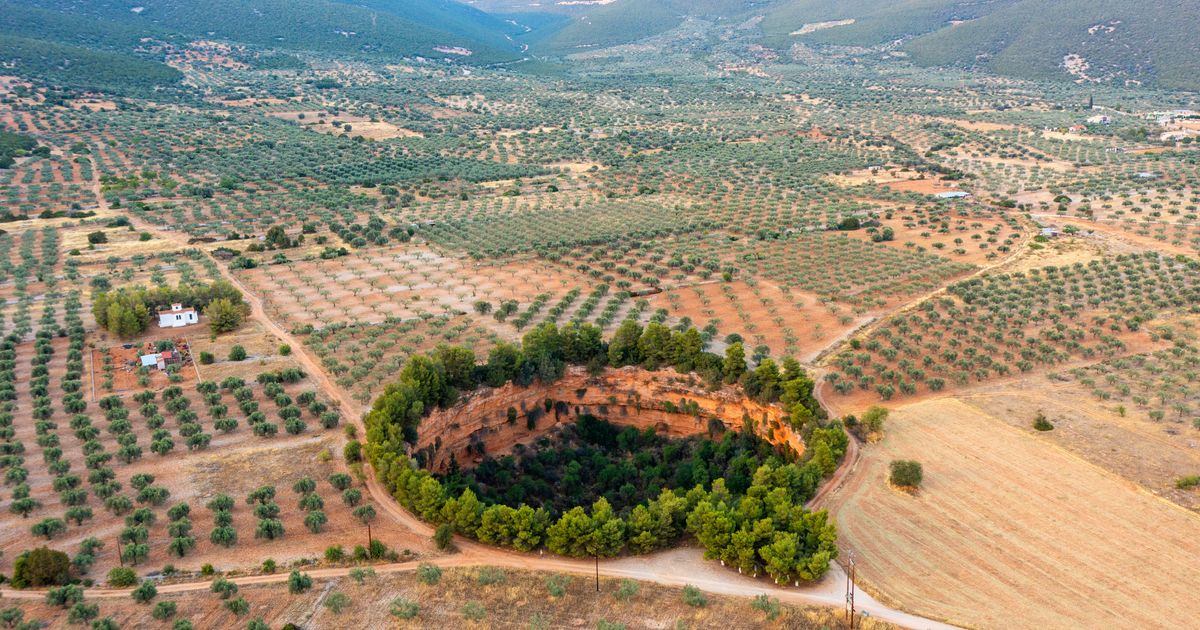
x=813, y=325
x=126, y=362
x=520, y=599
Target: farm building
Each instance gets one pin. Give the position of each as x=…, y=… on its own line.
x=177, y=316
x=161, y=359
x=954, y=194
x=1051, y=232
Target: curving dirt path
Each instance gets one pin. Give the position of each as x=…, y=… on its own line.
x=675, y=567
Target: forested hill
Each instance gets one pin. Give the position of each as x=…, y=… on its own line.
x=431, y=28
x=1152, y=42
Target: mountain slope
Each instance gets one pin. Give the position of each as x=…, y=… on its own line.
x=410, y=27
x=865, y=22
x=625, y=21
x=1151, y=41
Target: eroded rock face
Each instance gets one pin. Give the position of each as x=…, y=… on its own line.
x=625, y=397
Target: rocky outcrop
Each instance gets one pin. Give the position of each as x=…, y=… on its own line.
x=675, y=405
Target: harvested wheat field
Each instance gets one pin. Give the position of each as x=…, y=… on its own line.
x=1008, y=527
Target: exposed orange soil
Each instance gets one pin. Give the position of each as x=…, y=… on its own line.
x=1000, y=511
x=234, y=463
x=904, y=235
x=402, y=281
x=126, y=363
x=626, y=397
x=812, y=324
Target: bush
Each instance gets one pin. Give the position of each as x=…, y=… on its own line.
x=693, y=597
x=64, y=596
x=144, y=593
x=237, y=353
x=404, y=608
x=1041, y=423
x=285, y=349
x=557, y=585
x=767, y=605
x=120, y=577
x=224, y=588
x=164, y=610
x=443, y=537
x=627, y=590
x=238, y=606
x=337, y=602
x=473, y=611
x=299, y=582
x=429, y=573
x=872, y=420
x=206, y=358
x=41, y=567
x=906, y=473
x=1190, y=481
x=491, y=575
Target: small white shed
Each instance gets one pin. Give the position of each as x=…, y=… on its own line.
x=177, y=316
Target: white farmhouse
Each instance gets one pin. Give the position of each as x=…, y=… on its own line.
x=177, y=316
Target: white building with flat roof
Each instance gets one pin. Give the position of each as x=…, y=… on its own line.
x=178, y=316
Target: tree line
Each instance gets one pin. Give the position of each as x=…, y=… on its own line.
x=128, y=310
x=763, y=528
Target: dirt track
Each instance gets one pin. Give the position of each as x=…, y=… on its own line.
x=676, y=567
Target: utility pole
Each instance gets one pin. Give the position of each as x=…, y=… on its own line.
x=850, y=591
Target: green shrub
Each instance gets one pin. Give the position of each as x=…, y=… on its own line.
x=491, y=575
x=237, y=353
x=693, y=597
x=41, y=567
x=443, y=537
x=1041, y=423
x=627, y=590
x=557, y=585
x=473, y=611
x=144, y=593
x=906, y=473
x=120, y=577
x=1190, y=481
x=404, y=608
x=429, y=573
x=767, y=605
x=337, y=602
x=164, y=610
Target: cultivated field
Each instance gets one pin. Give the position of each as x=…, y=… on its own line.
x=1008, y=525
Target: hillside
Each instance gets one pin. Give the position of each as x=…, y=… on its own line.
x=625, y=21
x=383, y=28
x=83, y=68
x=865, y=22
x=1152, y=42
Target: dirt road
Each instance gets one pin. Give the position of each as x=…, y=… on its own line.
x=674, y=567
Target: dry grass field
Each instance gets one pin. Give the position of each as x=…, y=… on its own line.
x=519, y=599
x=1010, y=526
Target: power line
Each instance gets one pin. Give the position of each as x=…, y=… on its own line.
x=850, y=591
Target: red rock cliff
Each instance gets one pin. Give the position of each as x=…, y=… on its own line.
x=625, y=397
